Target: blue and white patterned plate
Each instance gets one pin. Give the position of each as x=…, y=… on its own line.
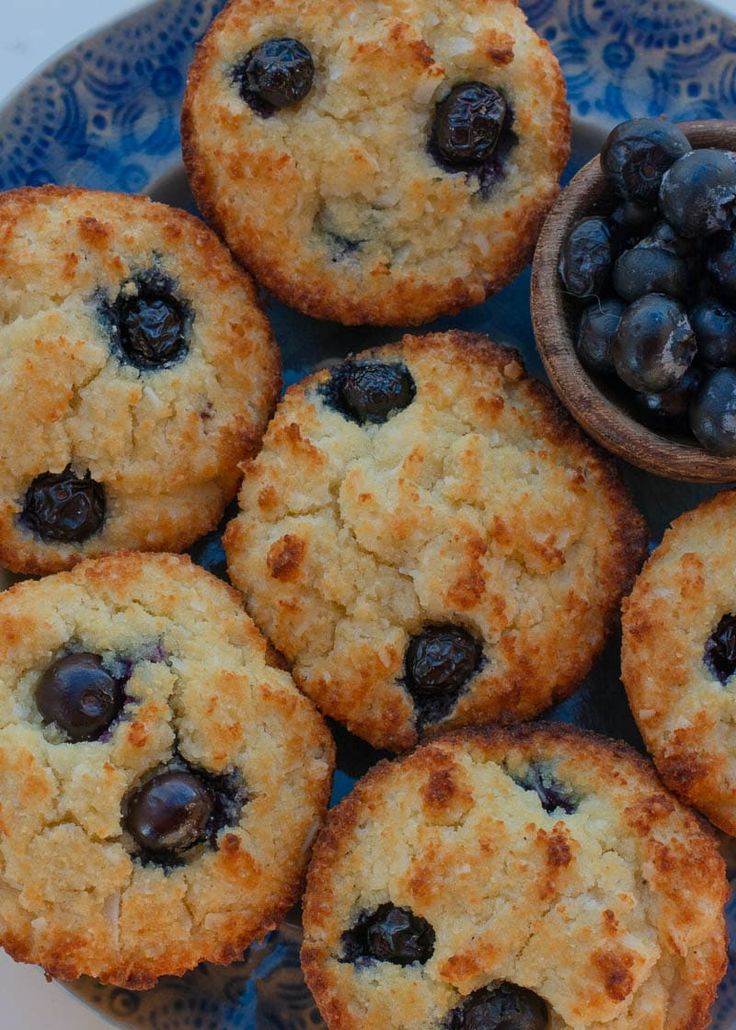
x=106, y=115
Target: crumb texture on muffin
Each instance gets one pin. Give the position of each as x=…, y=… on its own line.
x=337, y=203
x=681, y=690
x=609, y=910
x=478, y=505
x=162, y=441
x=76, y=895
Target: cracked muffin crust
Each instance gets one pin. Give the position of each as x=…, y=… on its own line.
x=316, y=141
x=136, y=370
x=430, y=541
x=539, y=870
x=176, y=831
x=679, y=658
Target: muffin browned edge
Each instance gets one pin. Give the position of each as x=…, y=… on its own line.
x=631, y=534
x=145, y=976
x=684, y=775
x=398, y=305
x=344, y=819
x=248, y=443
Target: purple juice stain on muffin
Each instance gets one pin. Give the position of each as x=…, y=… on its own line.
x=554, y=795
x=720, y=649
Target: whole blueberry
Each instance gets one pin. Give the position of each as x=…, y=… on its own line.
x=598, y=327
x=468, y=123
x=698, y=193
x=654, y=345
x=62, y=507
x=279, y=73
x=441, y=659
x=721, y=266
x=372, y=391
x=499, y=1006
x=586, y=257
x=638, y=153
x=389, y=934
x=78, y=694
x=150, y=325
x=669, y=409
x=631, y=222
x=720, y=649
x=645, y=270
x=713, y=413
x=170, y=813
x=715, y=330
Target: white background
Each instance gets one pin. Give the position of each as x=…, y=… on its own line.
x=32, y=31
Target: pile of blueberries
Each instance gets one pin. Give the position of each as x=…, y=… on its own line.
x=657, y=278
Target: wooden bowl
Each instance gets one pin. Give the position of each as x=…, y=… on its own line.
x=593, y=403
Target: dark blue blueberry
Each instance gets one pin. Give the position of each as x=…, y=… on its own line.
x=586, y=258
x=389, y=934
x=500, y=1006
x=631, y=222
x=598, y=326
x=654, y=345
x=369, y=392
x=468, y=124
x=553, y=794
x=669, y=410
x=80, y=696
x=170, y=813
x=645, y=270
x=713, y=413
x=638, y=153
x=715, y=330
x=720, y=649
x=698, y=193
x=721, y=266
x=61, y=507
x=440, y=659
x=439, y=662
x=149, y=324
x=279, y=73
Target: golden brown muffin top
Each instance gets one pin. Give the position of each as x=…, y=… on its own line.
x=78, y=893
x=479, y=505
x=541, y=857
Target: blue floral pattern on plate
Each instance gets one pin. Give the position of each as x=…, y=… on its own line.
x=106, y=115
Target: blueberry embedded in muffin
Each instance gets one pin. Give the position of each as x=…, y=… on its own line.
x=424, y=148
x=138, y=371
x=430, y=542
x=161, y=781
x=679, y=658
x=445, y=894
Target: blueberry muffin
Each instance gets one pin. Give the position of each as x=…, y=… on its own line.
x=160, y=783
x=679, y=658
x=376, y=165
x=430, y=541
x=136, y=371
x=524, y=879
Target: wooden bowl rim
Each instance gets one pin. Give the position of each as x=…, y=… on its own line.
x=602, y=419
